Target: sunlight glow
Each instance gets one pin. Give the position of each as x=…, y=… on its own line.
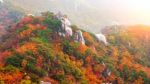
x=141, y=9
x=126, y=11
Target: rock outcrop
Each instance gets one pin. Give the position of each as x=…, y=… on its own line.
x=101, y=38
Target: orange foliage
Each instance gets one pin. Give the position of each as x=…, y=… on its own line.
x=6, y=53
x=88, y=59
x=91, y=77
x=139, y=31
x=88, y=36
x=126, y=59
x=3, y=55
x=11, y=77
x=30, y=29
x=27, y=32
x=79, y=63
x=26, y=47
x=114, y=52
x=139, y=81
x=70, y=78
x=120, y=81
x=39, y=61
x=57, y=47
x=24, y=63
x=139, y=67
x=98, y=69
x=82, y=48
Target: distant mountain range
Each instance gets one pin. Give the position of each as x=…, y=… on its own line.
x=91, y=15
x=9, y=14
x=80, y=12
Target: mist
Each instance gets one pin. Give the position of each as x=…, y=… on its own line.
x=92, y=15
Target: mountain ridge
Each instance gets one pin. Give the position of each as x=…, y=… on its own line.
x=34, y=51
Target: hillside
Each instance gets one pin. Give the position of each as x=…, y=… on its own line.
x=136, y=38
x=35, y=50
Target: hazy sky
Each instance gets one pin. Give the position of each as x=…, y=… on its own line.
x=125, y=11
x=94, y=13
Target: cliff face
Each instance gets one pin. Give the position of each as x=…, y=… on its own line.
x=40, y=48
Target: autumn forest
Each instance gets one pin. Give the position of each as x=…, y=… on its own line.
x=48, y=49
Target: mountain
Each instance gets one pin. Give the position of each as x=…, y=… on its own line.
x=80, y=12
x=94, y=14
x=35, y=48
x=137, y=36
x=34, y=51
x=9, y=14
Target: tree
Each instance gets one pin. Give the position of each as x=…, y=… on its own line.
x=15, y=60
x=88, y=38
x=29, y=46
x=139, y=81
x=51, y=22
x=59, y=75
x=24, y=63
x=67, y=48
x=39, y=71
x=125, y=73
x=82, y=48
x=10, y=74
x=4, y=55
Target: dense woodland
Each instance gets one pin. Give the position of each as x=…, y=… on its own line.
x=32, y=51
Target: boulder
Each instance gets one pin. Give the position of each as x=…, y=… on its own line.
x=101, y=38
x=106, y=72
x=68, y=31
x=79, y=37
